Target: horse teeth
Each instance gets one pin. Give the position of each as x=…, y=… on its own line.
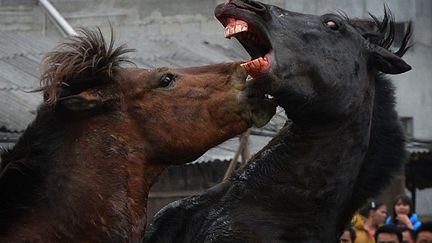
x=235, y=26
x=232, y=30
x=256, y=64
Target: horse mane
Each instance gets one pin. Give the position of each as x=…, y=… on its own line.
x=382, y=32
x=24, y=167
x=386, y=153
x=82, y=62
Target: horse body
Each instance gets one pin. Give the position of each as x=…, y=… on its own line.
x=342, y=144
x=83, y=169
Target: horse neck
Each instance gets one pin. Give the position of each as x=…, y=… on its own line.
x=309, y=169
x=95, y=184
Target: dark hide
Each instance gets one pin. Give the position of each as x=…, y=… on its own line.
x=342, y=144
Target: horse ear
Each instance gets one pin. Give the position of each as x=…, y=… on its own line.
x=387, y=62
x=84, y=101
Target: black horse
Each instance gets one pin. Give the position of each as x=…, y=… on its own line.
x=342, y=144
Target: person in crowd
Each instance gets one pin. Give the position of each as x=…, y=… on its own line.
x=408, y=235
x=424, y=233
x=368, y=220
x=348, y=236
x=403, y=214
x=388, y=233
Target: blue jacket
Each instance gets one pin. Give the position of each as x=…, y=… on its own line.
x=414, y=220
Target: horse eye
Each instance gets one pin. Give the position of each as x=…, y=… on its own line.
x=166, y=80
x=332, y=24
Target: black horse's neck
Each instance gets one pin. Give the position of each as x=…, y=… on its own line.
x=315, y=169
x=304, y=171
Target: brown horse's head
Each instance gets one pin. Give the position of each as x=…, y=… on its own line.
x=185, y=111
x=173, y=115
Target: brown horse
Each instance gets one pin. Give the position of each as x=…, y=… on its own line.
x=82, y=170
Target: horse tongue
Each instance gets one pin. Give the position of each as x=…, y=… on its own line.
x=257, y=67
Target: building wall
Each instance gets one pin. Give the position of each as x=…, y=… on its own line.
x=20, y=15
x=178, y=182
x=414, y=89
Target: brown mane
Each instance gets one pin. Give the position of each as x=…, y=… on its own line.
x=81, y=62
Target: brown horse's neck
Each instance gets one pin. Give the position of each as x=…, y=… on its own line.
x=96, y=189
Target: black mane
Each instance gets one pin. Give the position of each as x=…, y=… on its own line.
x=23, y=168
x=382, y=32
x=386, y=153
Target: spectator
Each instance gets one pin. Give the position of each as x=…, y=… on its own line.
x=388, y=233
x=424, y=233
x=368, y=221
x=403, y=214
x=348, y=236
x=408, y=235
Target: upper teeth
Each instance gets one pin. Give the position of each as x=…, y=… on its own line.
x=235, y=26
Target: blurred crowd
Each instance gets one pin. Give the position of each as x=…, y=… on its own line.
x=375, y=224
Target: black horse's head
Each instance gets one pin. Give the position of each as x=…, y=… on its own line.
x=316, y=66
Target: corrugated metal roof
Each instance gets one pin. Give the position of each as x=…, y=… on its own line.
x=18, y=109
x=227, y=149
x=20, y=57
x=418, y=147
x=13, y=43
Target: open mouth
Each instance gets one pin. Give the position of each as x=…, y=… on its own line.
x=255, y=43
